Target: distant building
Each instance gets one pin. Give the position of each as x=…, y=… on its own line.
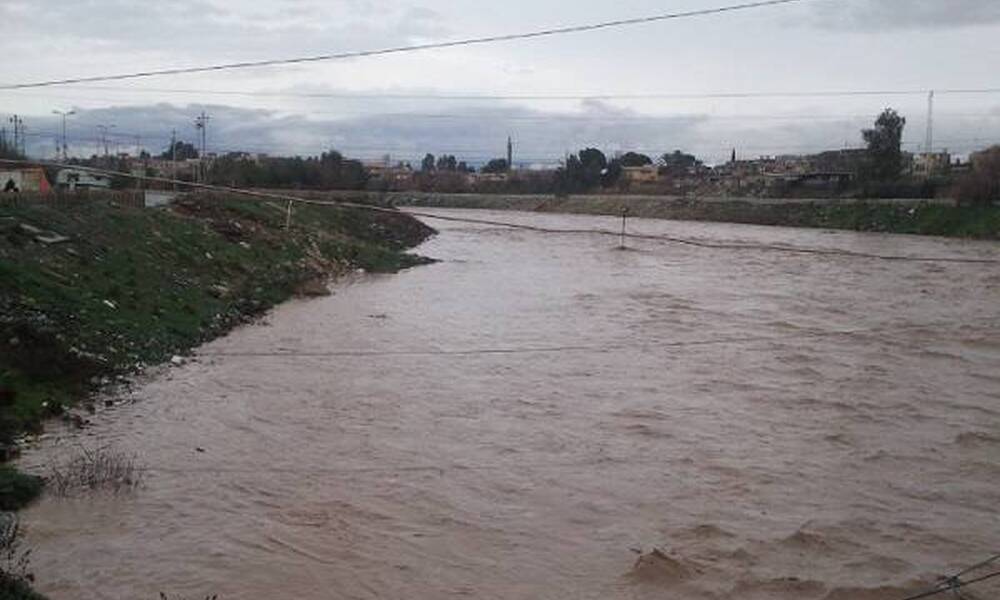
x=76, y=179
x=31, y=179
x=488, y=177
x=927, y=164
x=384, y=170
x=640, y=175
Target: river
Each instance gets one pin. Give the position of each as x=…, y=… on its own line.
x=532, y=416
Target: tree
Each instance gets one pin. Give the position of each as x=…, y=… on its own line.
x=427, y=164
x=679, y=161
x=633, y=159
x=446, y=162
x=8, y=151
x=184, y=151
x=593, y=159
x=497, y=165
x=583, y=171
x=613, y=172
x=885, y=158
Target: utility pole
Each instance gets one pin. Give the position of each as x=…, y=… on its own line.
x=201, y=124
x=929, y=142
x=103, y=131
x=18, y=124
x=65, y=146
x=173, y=157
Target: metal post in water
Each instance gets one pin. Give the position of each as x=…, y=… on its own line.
x=621, y=246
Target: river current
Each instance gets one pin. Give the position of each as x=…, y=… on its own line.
x=545, y=416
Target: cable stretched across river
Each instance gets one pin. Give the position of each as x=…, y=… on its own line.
x=955, y=583
x=579, y=347
x=693, y=242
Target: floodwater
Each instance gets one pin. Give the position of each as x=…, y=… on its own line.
x=533, y=416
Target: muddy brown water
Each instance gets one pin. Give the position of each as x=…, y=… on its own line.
x=523, y=418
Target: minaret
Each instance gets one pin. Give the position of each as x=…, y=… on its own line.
x=929, y=142
x=510, y=153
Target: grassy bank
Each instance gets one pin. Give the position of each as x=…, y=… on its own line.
x=129, y=287
x=888, y=217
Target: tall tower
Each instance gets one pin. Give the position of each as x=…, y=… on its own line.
x=510, y=153
x=929, y=142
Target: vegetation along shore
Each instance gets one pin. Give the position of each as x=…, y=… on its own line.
x=93, y=291
x=921, y=217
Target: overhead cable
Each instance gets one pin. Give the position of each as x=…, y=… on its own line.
x=405, y=49
x=469, y=96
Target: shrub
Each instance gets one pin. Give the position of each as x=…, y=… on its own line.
x=15, y=578
x=96, y=469
x=17, y=490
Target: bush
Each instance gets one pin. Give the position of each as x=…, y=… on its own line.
x=15, y=577
x=96, y=469
x=17, y=490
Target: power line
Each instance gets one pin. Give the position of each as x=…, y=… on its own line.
x=410, y=48
x=738, y=95
x=569, y=348
x=954, y=583
x=603, y=232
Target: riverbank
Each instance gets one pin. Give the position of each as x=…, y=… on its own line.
x=439, y=420
x=94, y=291
x=884, y=216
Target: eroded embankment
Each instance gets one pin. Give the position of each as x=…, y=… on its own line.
x=913, y=217
x=93, y=291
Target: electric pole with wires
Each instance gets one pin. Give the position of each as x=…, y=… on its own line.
x=201, y=124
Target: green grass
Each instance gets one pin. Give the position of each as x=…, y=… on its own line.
x=17, y=589
x=17, y=490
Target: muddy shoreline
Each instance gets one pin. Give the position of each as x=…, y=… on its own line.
x=97, y=293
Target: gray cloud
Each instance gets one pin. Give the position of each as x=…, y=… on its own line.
x=193, y=29
x=478, y=133
x=878, y=15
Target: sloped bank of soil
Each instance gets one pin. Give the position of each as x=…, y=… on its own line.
x=95, y=290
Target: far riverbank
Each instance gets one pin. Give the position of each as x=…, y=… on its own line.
x=919, y=217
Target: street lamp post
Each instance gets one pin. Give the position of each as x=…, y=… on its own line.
x=64, y=114
x=103, y=130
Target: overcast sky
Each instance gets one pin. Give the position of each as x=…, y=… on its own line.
x=817, y=45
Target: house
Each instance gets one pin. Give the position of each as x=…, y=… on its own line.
x=30, y=179
x=385, y=171
x=640, y=175
x=76, y=179
x=927, y=164
x=488, y=177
